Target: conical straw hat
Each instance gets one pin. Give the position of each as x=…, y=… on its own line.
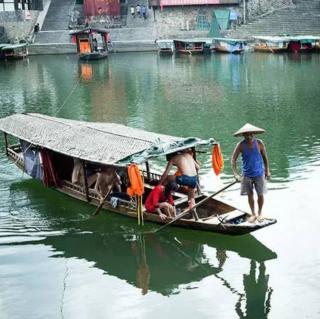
x=248, y=128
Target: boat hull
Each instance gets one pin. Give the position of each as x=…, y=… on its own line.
x=93, y=56
x=223, y=49
x=269, y=49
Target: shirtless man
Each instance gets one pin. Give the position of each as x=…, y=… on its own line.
x=106, y=181
x=188, y=168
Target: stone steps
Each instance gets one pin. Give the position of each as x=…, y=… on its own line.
x=58, y=15
x=304, y=19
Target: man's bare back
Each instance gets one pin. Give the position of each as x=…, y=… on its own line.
x=186, y=164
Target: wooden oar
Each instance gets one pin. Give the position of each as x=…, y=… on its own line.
x=184, y=213
x=96, y=212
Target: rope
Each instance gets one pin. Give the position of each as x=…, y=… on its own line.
x=59, y=109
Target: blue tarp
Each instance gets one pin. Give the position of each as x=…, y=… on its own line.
x=159, y=149
x=31, y=156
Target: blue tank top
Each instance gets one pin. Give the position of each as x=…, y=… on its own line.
x=252, y=162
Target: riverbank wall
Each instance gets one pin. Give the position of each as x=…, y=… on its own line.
x=171, y=22
x=18, y=25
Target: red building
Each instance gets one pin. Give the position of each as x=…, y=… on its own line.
x=101, y=7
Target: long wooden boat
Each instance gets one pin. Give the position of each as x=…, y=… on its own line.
x=92, y=43
x=13, y=51
x=271, y=44
x=229, y=45
x=192, y=46
x=57, y=143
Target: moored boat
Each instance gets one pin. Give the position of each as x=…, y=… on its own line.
x=229, y=45
x=303, y=44
x=49, y=147
x=13, y=51
x=271, y=44
x=92, y=43
x=192, y=46
x=165, y=46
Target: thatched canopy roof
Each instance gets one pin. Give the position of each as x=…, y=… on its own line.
x=89, y=30
x=105, y=143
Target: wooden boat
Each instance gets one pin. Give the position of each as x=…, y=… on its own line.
x=192, y=46
x=228, y=45
x=165, y=46
x=303, y=44
x=271, y=44
x=56, y=143
x=13, y=51
x=92, y=43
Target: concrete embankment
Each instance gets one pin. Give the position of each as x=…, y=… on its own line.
x=70, y=48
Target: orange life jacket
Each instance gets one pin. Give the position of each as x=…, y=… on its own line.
x=136, y=182
x=217, y=159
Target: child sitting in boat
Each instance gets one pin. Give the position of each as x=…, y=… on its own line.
x=107, y=180
x=160, y=201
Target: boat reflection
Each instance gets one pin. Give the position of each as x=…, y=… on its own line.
x=94, y=71
x=164, y=262
x=86, y=71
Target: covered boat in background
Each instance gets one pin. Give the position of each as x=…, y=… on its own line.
x=271, y=44
x=229, y=45
x=92, y=43
x=303, y=44
x=191, y=46
x=50, y=149
x=13, y=51
x=165, y=46
x=279, y=44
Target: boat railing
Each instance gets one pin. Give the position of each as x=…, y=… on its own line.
x=151, y=178
x=15, y=153
x=93, y=195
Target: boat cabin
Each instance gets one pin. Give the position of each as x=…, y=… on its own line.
x=92, y=43
x=13, y=51
x=189, y=46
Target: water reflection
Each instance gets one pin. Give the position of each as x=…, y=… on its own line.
x=257, y=293
x=164, y=263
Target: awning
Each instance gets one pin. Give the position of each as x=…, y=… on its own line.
x=105, y=143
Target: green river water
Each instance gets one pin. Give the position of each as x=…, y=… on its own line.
x=57, y=261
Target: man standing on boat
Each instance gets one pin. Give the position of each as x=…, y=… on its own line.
x=255, y=167
x=188, y=173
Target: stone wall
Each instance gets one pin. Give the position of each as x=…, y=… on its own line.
x=176, y=20
x=17, y=24
x=256, y=8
